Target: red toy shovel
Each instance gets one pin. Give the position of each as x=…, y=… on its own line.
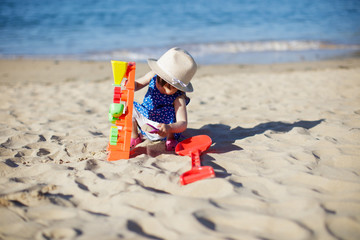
x=193, y=147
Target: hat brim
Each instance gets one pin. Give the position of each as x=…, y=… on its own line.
x=154, y=66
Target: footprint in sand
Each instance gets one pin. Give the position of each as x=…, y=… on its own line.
x=20, y=140
x=42, y=152
x=58, y=233
x=91, y=165
x=56, y=138
x=135, y=227
x=42, y=138
x=81, y=185
x=11, y=163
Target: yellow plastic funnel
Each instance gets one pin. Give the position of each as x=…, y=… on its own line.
x=119, y=69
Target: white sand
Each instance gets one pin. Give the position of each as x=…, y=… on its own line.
x=285, y=151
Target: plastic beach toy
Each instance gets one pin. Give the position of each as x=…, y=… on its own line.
x=193, y=147
x=121, y=109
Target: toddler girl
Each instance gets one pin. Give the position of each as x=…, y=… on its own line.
x=163, y=115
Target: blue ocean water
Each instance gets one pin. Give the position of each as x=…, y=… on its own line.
x=214, y=31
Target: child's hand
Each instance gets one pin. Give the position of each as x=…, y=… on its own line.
x=164, y=129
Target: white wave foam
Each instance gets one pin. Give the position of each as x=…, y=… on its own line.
x=219, y=48
x=276, y=46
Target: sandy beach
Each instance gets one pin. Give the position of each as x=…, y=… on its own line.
x=286, y=153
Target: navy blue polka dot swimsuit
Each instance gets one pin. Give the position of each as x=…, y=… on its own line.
x=159, y=107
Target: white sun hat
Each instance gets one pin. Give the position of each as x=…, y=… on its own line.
x=176, y=67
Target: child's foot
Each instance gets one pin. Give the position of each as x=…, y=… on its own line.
x=171, y=144
x=135, y=141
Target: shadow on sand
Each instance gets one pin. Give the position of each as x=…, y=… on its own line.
x=224, y=137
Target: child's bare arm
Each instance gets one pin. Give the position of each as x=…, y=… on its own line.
x=144, y=80
x=181, y=119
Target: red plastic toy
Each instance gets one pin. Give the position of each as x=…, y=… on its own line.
x=193, y=147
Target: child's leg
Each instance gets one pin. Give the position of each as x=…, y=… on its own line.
x=135, y=137
x=134, y=132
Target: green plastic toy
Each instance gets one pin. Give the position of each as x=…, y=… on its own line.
x=115, y=111
x=113, y=135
